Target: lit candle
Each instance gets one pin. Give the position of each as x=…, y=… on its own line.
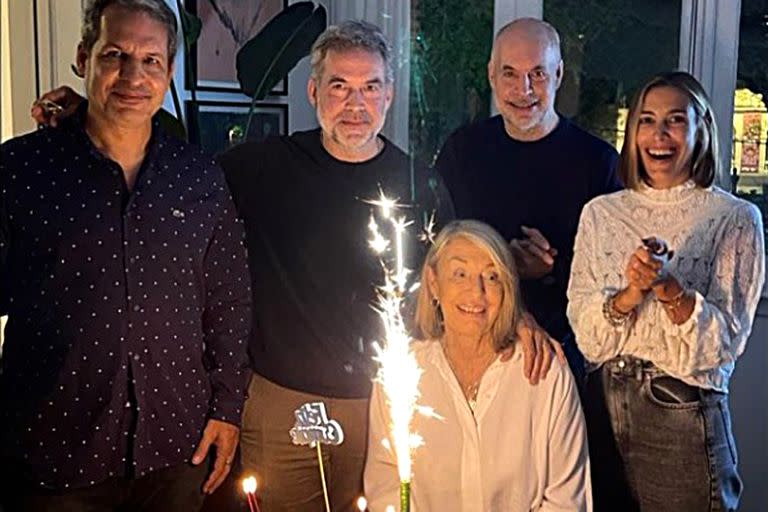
x=249, y=488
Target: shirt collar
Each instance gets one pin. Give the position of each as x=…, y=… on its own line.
x=76, y=124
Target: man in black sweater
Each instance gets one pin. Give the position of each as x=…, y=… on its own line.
x=529, y=171
x=302, y=200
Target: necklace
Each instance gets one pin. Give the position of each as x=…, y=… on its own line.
x=471, y=388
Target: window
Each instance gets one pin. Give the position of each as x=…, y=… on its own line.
x=610, y=49
x=450, y=46
x=749, y=162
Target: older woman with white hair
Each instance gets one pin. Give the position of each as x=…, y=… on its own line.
x=501, y=444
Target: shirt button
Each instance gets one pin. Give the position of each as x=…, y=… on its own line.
x=136, y=357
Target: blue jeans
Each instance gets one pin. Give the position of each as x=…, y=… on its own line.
x=657, y=444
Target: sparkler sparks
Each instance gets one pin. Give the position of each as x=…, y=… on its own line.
x=399, y=372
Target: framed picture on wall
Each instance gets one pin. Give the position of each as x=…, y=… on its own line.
x=215, y=125
x=227, y=26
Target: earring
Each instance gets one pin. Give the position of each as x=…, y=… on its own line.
x=435, y=302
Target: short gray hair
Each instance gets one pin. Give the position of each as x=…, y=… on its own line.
x=428, y=314
x=351, y=35
x=156, y=9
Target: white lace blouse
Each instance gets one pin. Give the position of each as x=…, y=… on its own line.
x=719, y=254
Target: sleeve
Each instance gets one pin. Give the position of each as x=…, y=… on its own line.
x=382, y=484
x=5, y=239
x=611, y=181
x=716, y=332
x=447, y=172
x=234, y=163
x=569, y=484
x=597, y=339
x=227, y=315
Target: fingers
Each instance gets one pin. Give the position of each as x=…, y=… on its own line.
x=224, y=436
x=525, y=338
x=535, y=236
x=537, y=251
x=560, y=352
x=538, y=360
x=640, y=274
x=205, y=444
x=547, y=356
x=55, y=105
x=645, y=270
x=221, y=467
x=645, y=256
x=507, y=353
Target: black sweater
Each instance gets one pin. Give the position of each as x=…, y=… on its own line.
x=541, y=184
x=313, y=274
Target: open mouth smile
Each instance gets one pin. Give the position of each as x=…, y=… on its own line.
x=472, y=310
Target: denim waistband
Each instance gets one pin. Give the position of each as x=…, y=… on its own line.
x=632, y=367
x=642, y=370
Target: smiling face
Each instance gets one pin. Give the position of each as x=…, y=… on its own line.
x=666, y=136
x=468, y=286
x=525, y=72
x=127, y=71
x=351, y=97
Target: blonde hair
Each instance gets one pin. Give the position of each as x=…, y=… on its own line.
x=428, y=315
x=705, y=160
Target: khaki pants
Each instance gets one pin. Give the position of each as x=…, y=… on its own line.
x=288, y=475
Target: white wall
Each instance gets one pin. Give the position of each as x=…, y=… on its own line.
x=301, y=115
x=6, y=105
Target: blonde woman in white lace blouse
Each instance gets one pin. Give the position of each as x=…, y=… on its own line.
x=665, y=282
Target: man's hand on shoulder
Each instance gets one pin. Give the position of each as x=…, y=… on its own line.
x=55, y=105
x=534, y=256
x=539, y=349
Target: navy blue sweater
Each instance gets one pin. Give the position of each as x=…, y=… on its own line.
x=542, y=184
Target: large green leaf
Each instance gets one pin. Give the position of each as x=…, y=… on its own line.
x=288, y=37
x=191, y=26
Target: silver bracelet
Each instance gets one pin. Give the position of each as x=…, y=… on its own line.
x=614, y=317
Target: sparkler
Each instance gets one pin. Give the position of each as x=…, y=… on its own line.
x=398, y=373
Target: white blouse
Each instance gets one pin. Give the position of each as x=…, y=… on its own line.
x=719, y=254
x=523, y=449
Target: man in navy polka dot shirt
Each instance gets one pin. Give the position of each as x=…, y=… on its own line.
x=124, y=276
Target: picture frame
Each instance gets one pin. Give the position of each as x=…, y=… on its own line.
x=210, y=123
x=227, y=25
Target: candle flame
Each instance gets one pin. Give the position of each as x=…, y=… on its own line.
x=249, y=485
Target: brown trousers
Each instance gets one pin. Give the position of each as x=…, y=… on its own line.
x=288, y=475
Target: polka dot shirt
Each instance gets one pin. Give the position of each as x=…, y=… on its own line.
x=129, y=314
